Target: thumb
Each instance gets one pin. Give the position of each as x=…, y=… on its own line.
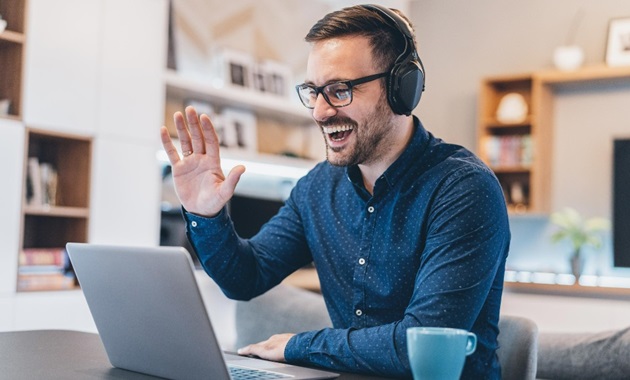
x=233, y=177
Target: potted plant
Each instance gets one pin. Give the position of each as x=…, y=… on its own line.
x=579, y=232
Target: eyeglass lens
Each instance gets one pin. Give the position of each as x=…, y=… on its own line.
x=336, y=94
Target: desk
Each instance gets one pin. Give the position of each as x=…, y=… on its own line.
x=62, y=354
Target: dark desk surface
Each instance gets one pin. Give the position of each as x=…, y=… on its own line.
x=62, y=354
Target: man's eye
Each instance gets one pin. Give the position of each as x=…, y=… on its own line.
x=342, y=94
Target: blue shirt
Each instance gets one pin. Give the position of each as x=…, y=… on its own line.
x=428, y=248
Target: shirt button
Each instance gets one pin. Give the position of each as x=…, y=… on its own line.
x=361, y=261
x=358, y=312
x=371, y=209
x=193, y=223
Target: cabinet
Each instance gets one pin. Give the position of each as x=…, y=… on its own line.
x=520, y=153
x=55, y=206
x=11, y=58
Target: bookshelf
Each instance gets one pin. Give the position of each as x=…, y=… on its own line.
x=55, y=207
x=507, y=146
x=12, y=41
x=520, y=153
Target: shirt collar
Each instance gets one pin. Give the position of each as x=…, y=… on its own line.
x=407, y=159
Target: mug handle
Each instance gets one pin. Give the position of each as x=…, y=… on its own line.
x=471, y=344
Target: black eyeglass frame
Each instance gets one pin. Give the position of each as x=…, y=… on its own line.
x=349, y=83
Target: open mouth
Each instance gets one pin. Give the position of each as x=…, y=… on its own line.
x=338, y=133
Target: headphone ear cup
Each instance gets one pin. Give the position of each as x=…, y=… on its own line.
x=406, y=83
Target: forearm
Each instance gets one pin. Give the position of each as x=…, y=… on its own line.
x=246, y=268
x=225, y=257
x=374, y=350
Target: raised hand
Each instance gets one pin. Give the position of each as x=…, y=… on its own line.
x=199, y=181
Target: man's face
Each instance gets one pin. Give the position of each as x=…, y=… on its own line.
x=357, y=133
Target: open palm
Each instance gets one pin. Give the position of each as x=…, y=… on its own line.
x=199, y=181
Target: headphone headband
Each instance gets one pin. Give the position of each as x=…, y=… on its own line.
x=406, y=79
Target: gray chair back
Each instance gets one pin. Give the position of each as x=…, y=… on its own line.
x=518, y=348
x=283, y=309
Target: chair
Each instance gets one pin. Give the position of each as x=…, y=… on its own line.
x=518, y=348
x=283, y=309
x=583, y=355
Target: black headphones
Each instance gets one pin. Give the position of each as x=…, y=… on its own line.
x=405, y=82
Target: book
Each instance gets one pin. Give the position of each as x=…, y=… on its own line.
x=41, y=183
x=45, y=269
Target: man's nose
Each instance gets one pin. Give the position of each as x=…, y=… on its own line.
x=322, y=110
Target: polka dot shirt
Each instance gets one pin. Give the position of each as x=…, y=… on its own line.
x=427, y=248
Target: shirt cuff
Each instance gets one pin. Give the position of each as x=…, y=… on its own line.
x=297, y=348
x=196, y=224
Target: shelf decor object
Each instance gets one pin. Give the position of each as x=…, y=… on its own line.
x=570, y=56
x=3, y=24
x=618, y=46
x=512, y=108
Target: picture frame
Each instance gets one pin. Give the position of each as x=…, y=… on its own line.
x=276, y=76
x=233, y=68
x=618, y=44
x=239, y=130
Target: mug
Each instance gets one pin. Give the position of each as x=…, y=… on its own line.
x=438, y=352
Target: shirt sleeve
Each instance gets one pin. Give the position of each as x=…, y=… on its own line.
x=246, y=268
x=459, y=283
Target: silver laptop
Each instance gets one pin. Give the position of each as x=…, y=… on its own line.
x=151, y=318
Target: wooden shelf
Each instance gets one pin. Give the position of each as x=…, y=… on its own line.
x=511, y=169
x=11, y=36
x=585, y=74
x=573, y=290
x=12, y=41
x=57, y=211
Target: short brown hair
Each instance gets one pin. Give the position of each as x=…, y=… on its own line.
x=386, y=40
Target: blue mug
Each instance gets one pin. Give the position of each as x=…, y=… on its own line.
x=438, y=353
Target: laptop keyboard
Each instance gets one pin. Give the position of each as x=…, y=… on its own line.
x=240, y=373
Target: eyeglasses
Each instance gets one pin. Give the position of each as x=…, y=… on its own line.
x=337, y=94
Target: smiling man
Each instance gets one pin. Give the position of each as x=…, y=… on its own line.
x=405, y=230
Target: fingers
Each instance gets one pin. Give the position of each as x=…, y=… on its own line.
x=196, y=133
x=168, y=145
x=194, y=127
x=182, y=132
x=210, y=136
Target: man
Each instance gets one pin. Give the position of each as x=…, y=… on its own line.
x=404, y=229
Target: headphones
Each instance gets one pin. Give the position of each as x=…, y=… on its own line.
x=405, y=82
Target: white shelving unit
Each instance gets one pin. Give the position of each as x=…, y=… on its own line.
x=286, y=109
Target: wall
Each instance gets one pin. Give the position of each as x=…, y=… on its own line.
x=461, y=42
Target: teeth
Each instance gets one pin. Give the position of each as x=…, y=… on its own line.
x=341, y=128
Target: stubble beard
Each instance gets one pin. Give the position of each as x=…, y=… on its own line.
x=371, y=140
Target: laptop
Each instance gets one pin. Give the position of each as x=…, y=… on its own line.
x=151, y=318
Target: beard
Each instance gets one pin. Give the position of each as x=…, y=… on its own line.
x=371, y=140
